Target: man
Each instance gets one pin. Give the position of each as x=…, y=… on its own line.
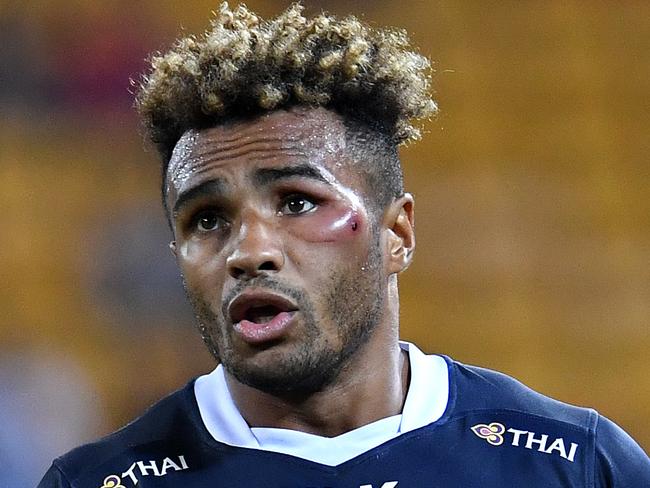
x=283, y=188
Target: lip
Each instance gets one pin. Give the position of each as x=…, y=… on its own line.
x=256, y=334
x=250, y=298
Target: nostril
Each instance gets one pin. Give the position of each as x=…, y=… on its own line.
x=267, y=266
x=236, y=272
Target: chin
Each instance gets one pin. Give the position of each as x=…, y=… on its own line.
x=274, y=371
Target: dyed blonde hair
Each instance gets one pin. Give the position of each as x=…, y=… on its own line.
x=246, y=65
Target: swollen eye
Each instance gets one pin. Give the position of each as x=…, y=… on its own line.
x=297, y=205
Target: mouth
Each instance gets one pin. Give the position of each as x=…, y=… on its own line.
x=261, y=316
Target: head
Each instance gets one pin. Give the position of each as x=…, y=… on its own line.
x=283, y=186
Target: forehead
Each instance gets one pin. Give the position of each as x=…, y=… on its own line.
x=315, y=136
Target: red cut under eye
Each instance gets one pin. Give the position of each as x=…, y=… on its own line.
x=332, y=223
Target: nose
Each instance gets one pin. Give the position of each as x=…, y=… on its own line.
x=257, y=251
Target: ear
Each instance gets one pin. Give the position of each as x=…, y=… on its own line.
x=400, y=224
x=172, y=247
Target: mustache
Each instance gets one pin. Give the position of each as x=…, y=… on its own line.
x=267, y=283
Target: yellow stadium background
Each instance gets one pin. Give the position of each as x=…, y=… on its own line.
x=532, y=195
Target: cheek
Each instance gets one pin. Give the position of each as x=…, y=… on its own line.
x=199, y=266
x=332, y=224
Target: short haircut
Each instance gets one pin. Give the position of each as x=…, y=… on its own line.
x=244, y=66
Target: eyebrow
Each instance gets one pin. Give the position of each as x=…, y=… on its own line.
x=265, y=176
x=204, y=189
x=261, y=177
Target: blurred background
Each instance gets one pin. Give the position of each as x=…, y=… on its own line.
x=533, y=209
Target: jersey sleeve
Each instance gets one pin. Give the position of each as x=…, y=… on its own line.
x=54, y=478
x=620, y=461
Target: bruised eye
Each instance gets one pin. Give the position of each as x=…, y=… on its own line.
x=208, y=220
x=297, y=204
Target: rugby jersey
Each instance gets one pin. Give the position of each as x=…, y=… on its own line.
x=461, y=426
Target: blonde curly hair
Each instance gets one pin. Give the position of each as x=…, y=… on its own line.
x=246, y=65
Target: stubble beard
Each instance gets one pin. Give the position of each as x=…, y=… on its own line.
x=353, y=301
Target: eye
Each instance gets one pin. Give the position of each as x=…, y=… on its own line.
x=208, y=220
x=297, y=204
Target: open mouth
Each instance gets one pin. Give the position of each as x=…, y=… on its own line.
x=258, y=307
x=261, y=316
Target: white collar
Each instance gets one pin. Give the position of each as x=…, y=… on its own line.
x=425, y=403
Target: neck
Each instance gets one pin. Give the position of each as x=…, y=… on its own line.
x=371, y=386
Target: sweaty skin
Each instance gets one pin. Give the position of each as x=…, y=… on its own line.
x=274, y=205
x=341, y=213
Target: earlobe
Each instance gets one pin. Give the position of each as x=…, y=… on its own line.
x=172, y=247
x=401, y=233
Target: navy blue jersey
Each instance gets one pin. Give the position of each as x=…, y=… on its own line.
x=495, y=433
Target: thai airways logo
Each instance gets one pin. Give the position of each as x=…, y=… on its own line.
x=145, y=468
x=496, y=434
x=493, y=433
x=113, y=481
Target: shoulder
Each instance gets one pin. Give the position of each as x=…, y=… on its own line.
x=163, y=435
x=620, y=461
x=501, y=411
x=474, y=388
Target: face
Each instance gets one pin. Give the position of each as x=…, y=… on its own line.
x=278, y=254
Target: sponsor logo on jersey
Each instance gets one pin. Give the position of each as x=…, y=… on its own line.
x=388, y=484
x=140, y=469
x=113, y=481
x=495, y=434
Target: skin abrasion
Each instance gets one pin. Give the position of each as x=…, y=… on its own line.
x=282, y=180
x=285, y=195
x=273, y=210
x=333, y=224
